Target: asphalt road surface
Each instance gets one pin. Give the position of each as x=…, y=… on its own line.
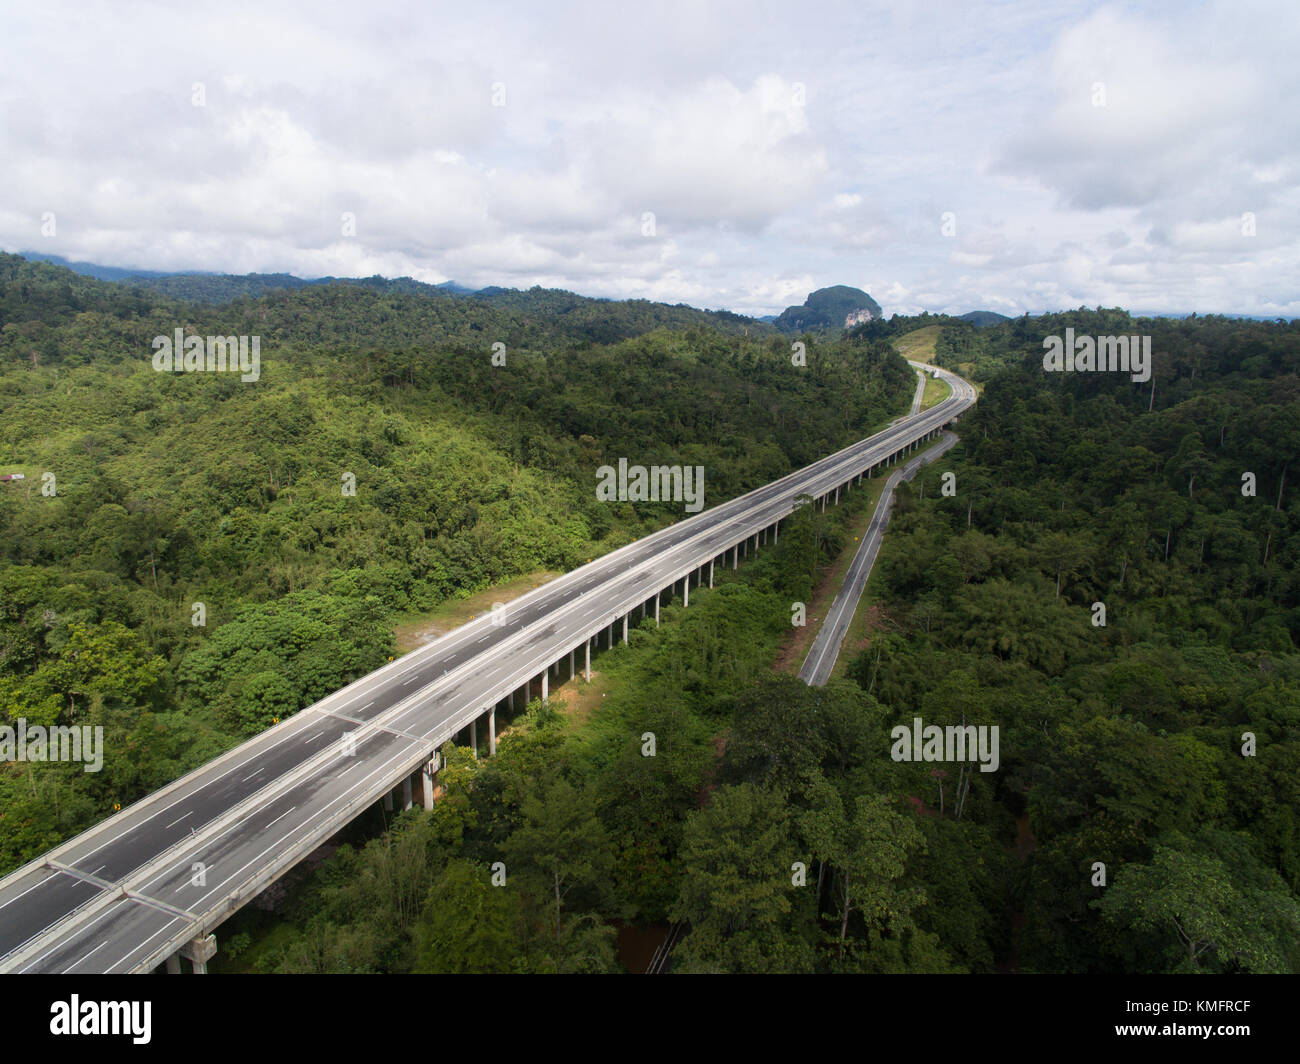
x=127, y=893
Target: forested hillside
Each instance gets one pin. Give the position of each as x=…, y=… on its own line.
x=1145, y=815
x=175, y=490
x=1112, y=583
x=826, y=310
x=1121, y=744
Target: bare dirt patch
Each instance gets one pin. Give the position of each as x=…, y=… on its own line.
x=581, y=699
x=415, y=632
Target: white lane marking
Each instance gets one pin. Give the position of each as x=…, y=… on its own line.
x=166, y=927
x=226, y=770
x=43, y=881
x=87, y=957
x=53, y=949
x=247, y=778
x=829, y=469
x=176, y=821
x=282, y=816
x=334, y=801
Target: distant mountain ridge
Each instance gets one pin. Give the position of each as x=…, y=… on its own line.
x=92, y=269
x=205, y=286
x=43, y=290
x=829, y=309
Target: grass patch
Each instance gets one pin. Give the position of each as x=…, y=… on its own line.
x=936, y=391
x=918, y=345
x=413, y=631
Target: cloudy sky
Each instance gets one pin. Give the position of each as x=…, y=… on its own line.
x=942, y=156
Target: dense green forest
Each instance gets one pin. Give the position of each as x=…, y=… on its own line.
x=174, y=490
x=1122, y=744
x=770, y=826
x=750, y=773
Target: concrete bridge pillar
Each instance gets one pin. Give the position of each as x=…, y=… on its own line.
x=426, y=781
x=473, y=728
x=406, y=792
x=656, y=608
x=174, y=964
x=199, y=951
x=686, y=591
x=388, y=801
x=735, y=557
x=710, y=572
x=492, y=732
x=546, y=688
x=625, y=629
x=776, y=532
x=587, y=644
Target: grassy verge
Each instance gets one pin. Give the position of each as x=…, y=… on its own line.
x=866, y=617
x=856, y=511
x=936, y=391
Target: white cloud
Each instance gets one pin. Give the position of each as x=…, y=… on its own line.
x=779, y=149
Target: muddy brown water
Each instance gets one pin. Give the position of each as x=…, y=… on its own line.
x=636, y=946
